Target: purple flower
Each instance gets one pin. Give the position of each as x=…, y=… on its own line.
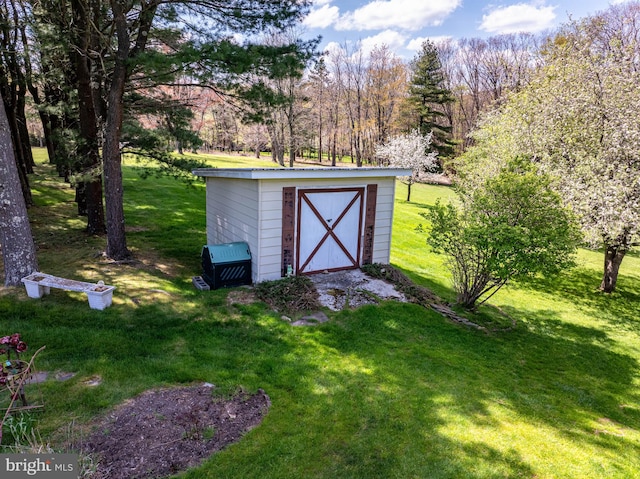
x=21, y=347
x=5, y=340
x=15, y=339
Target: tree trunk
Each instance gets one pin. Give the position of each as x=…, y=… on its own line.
x=320, y=142
x=613, y=257
x=23, y=132
x=334, y=153
x=91, y=187
x=18, y=249
x=54, y=126
x=46, y=128
x=124, y=60
x=81, y=198
x=408, y=192
x=17, y=145
x=116, y=238
x=292, y=153
x=277, y=143
x=13, y=91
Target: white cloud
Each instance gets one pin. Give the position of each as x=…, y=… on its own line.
x=322, y=17
x=416, y=43
x=333, y=48
x=403, y=14
x=393, y=40
x=390, y=38
x=521, y=17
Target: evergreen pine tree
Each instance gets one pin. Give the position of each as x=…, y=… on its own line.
x=428, y=96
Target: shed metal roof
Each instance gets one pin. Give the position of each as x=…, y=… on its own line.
x=300, y=173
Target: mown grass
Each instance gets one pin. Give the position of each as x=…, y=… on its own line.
x=383, y=391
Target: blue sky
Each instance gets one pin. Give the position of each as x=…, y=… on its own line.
x=403, y=25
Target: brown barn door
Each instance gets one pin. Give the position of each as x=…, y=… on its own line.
x=329, y=229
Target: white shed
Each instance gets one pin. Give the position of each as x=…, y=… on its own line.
x=302, y=220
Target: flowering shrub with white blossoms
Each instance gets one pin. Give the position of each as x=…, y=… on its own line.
x=409, y=151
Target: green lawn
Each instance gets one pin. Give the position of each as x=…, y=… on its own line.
x=391, y=391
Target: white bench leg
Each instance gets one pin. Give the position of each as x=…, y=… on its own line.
x=100, y=300
x=34, y=290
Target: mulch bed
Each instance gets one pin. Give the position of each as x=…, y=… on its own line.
x=162, y=432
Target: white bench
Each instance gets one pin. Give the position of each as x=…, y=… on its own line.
x=39, y=284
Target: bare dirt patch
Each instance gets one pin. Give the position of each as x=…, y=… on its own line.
x=241, y=296
x=165, y=431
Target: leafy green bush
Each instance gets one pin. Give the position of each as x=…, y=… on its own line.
x=511, y=226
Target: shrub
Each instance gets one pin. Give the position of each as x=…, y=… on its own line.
x=511, y=226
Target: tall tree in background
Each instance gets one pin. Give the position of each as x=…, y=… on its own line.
x=336, y=111
x=18, y=249
x=51, y=80
x=132, y=23
x=288, y=105
x=428, y=98
x=350, y=70
x=481, y=73
x=255, y=137
x=318, y=86
x=387, y=82
x=56, y=43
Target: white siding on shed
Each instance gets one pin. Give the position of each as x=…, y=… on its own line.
x=247, y=206
x=384, y=220
x=232, y=213
x=271, y=207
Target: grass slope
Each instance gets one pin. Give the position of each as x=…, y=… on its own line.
x=379, y=392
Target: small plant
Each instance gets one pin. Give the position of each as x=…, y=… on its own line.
x=194, y=429
x=26, y=439
x=23, y=437
x=208, y=433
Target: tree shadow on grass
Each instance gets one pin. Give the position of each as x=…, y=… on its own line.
x=444, y=292
x=560, y=377
x=419, y=206
x=375, y=392
x=580, y=287
x=382, y=408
